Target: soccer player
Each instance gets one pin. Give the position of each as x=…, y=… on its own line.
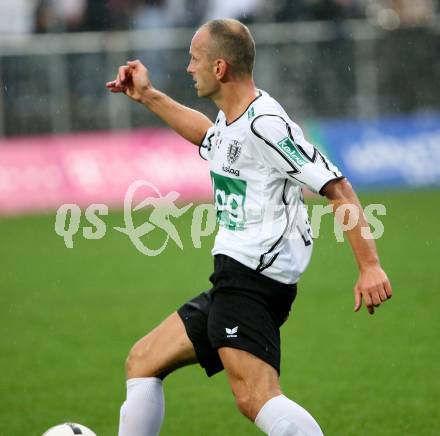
x=259, y=163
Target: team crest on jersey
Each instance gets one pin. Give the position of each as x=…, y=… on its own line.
x=234, y=150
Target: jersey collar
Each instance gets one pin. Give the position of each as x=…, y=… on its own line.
x=247, y=108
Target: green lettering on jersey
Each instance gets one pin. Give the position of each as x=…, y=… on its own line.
x=229, y=199
x=251, y=113
x=289, y=149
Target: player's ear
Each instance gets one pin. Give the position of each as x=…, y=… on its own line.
x=220, y=68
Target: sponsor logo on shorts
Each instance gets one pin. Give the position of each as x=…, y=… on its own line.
x=231, y=333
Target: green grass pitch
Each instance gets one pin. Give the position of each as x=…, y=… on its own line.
x=69, y=316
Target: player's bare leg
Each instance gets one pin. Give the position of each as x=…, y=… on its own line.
x=157, y=354
x=255, y=385
x=164, y=349
x=252, y=380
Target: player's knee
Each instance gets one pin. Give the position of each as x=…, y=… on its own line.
x=132, y=365
x=247, y=401
x=140, y=362
x=245, y=404
x=250, y=397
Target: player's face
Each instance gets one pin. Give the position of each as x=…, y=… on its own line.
x=201, y=67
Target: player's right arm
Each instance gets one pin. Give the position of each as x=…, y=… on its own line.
x=282, y=146
x=133, y=81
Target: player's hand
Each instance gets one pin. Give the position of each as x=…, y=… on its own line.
x=132, y=80
x=372, y=287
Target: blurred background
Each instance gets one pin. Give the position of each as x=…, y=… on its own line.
x=372, y=65
x=362, y=77
x=320, y=58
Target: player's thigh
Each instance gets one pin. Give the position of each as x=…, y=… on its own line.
x=253, y=381
x=164, y=349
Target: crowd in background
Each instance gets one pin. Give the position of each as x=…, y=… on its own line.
x=45, y=16
x=331, y=74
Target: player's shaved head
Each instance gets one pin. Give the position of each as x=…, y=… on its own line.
x=232, y=41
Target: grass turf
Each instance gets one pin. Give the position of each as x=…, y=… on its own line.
x=69, y=316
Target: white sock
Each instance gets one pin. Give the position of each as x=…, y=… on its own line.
x=283, y=417
x=143, y=410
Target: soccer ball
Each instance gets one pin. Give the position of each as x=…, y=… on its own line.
x=69, y=429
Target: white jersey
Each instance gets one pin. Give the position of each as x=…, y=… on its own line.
x=259, y=164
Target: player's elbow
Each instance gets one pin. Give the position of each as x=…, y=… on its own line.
x=339, y=189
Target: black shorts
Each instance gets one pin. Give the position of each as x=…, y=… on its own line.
x=243, y=309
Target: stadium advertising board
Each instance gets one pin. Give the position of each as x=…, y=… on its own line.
x=42, y=172
x=386, y=153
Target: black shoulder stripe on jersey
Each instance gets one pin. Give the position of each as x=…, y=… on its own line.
x=315, y=154
x=205, y=146
x=284, y=192
x=210, y=141
x=259, y=135
x=203, y=139
x=202, y=146
x=262, y=266
x=200, y=154
x=301, y=149
x=293, y=177
x=325, y=162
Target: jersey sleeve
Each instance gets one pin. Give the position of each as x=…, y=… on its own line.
x=206, y=144
x=281, y=145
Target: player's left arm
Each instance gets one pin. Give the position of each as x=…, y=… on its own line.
x=134, y=81
x=373, y=286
